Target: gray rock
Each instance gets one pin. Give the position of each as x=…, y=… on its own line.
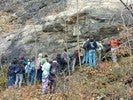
x=53, y=27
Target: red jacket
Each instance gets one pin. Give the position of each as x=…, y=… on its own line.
x=76, y=54
x=114, y=43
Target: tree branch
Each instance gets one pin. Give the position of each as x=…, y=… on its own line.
x=127, y=7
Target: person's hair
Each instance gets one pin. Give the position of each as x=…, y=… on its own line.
x=45, y=55
x=65, y=50
x=33, y=58
x=91, y=36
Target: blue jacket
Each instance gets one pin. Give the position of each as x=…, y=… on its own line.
x=11, y=70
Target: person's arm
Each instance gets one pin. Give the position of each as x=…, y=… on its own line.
x=96, y=46
x=43, y=67
x=118, y=42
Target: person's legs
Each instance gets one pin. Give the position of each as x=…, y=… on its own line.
x=10, y=81
x=44, y=84
x=90, y=58
x=20, y=80
x=17, y=79
x=94, y=58
x=54, y=86
x=87, y=57
x=26, y=78
x=39, y=75
x=32, y=76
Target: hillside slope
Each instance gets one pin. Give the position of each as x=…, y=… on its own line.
x=108, y=82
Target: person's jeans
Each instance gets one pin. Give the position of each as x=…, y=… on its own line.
x=92, y=58
x=19, y=78
x=31, y=77
x=85, y=57
x=39, y=75
x=45, y=80
x=10, y=80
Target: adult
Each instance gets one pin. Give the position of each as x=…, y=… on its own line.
x=27, y=71
x=85, y=59
x=45, y=75
x=92, y=46
x=32, y=71
x=75, y=60
x=11, y=74
x=19, y=71
x=64, y=61
x=39, y=67
x=53, y=75
x=114, y=44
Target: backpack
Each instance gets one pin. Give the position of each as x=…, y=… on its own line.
x=85, y=45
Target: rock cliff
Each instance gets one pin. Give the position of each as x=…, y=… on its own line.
x=51, y=23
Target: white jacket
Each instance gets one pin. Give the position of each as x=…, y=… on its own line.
x=46, y=68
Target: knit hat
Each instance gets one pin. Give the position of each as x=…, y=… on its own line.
x=43, y=60
x=40, y=55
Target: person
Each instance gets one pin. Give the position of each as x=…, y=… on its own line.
x=53, y=74
x=114, y=44
x=64, y=56
x=75, y=59
x=85, y=59
x=11, y=74
x=25, y=64
x=32, y=72
x=60, y=62
x=92, y=46
x=27, y=71
x=64, y=61
x=19, y=71
x=45, y=75
x=39, y=67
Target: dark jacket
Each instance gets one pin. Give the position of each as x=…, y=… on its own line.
x=19, y=69
x=92, y=45
x=11, y=70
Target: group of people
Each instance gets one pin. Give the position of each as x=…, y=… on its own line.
x=45, y=70
x=20, y=69
x=95, y=51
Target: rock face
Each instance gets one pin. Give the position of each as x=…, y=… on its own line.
x=45, y=25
